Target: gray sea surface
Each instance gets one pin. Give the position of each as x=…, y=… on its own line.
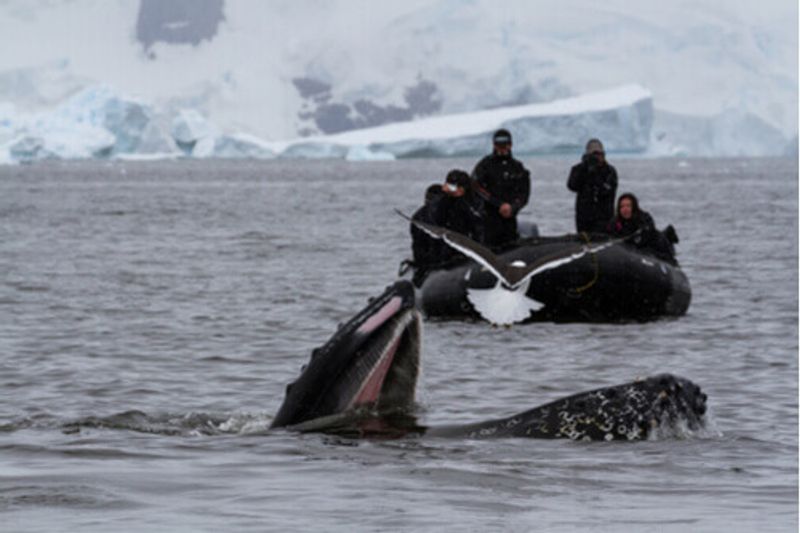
x=151, y=315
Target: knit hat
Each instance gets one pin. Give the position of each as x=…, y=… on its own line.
x=458, y=177
x=501, y=137
x=594, y=146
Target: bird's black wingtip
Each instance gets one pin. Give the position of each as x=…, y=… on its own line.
x=403, y=215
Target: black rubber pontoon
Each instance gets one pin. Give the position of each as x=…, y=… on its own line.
x=617, y=283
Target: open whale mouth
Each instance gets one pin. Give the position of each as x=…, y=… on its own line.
x=370, y=363
x=387, y=365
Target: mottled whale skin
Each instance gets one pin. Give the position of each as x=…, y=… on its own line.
x=631, y=411
x=362, y=382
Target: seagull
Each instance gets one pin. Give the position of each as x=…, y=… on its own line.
x=506, y=303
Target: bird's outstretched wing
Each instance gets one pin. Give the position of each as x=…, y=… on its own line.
x=475, y=251
x=518, y=276
x=512, y=276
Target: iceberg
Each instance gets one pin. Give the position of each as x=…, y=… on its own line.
x=241, y=146
x=155, y=139
x=64, y=140
x=311, y=150
x=25, y=149
x=622, y=117
x=198, y=137
x=94, y=123
x=189, y=128
x=99, y=108
x=362, y=153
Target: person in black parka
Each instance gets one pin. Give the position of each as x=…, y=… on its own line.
x=448, y=206
x=630, y=219
x=425, y=248
x=504, y=185
x=595, y=181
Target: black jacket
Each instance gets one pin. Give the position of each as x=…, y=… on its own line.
x=641, y=220
x=505, y=179
x=649, y=238
x=596, y=185
x=447, y=212
x=498, y=180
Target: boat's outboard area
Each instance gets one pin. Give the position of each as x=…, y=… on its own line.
x=620, y=282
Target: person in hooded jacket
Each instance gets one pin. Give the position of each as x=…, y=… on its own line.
x=632, y=221
x=424, y=247
x=595, y=181
x=504, y=185
x=448, y=206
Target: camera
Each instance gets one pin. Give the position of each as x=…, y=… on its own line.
x=590, y=160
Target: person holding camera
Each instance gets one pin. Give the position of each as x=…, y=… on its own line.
x=595, y=181
x=449, y=206
x=504, y=185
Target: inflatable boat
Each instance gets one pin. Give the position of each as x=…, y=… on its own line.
x=583, y=277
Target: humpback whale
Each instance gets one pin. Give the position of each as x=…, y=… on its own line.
x=551, y=278
x=363, y=380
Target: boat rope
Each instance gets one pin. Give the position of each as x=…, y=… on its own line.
x=579, y=290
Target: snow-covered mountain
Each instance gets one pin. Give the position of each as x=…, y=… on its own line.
x=722, y=75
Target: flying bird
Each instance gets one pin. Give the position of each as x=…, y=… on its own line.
x=506, y=303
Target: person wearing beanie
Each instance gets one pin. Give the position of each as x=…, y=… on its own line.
x=595, y=182
x=503, y=184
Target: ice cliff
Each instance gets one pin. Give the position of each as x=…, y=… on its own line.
x=622, y=117
x=98, y=122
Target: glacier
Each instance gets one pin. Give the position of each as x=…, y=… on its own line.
x=622, y=117
x=727, y=69
x=100, y=122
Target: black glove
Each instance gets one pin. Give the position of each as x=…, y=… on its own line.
x=671, y=234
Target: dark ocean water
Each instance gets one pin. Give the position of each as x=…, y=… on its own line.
x=152, y=313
